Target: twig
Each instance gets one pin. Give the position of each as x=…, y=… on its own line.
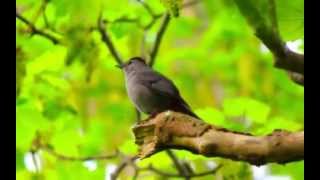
x=182, y=171
x=159, y=36
x=121, y=166
x=35, y=30
x=106, y=39
x=34, y=160
x=153, y=15
x=152, y=22
x=147, y=7
x=72, y=158
x=166, y=174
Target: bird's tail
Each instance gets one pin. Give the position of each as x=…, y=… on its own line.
x=185, y=108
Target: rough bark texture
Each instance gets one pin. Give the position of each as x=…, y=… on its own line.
x=179, y=131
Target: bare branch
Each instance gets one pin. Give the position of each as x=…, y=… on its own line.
x=284, y=57
x=35, y=30
x=34, y=161
x=106, y=39
x=147, y=7
x=172, y=130
x=297, y=78
x=182, y=171
x=160, y=33
x=166, y=174
x=126, y=161
x=72, y=158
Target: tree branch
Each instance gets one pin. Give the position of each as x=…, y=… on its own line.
x=178, y=131
x=148, y=8
x=269, y=35
x=160, y=33
x=284, y=57
x=73, y=158
x=181, y=169
x=297, y=78
x=106, y=39
x=166, y=174
x=121, y=166
x=273, y=16
x=35, y=30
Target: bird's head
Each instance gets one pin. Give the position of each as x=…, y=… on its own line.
x=133, y=64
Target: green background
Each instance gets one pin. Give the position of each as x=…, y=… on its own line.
x=72, y=95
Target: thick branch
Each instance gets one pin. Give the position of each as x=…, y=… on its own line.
x=106, y=39
x=269, y=35
x=35, y=30
x=178, y=131
x=284, y=57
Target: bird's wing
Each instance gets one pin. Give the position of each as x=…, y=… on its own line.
x=162, y=85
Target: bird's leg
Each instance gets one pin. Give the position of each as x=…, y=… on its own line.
x=152, y=115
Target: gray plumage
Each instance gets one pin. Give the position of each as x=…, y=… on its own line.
x=150, y=91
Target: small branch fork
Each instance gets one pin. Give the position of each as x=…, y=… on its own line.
x=35, y=30
x=130, y=161
x=153, y=52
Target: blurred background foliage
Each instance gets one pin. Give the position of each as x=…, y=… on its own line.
x=71, y=94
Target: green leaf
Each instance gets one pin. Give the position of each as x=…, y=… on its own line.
x=62, y=146
x=291, y=19
x=29, y=120
x=120, y=30
x=255, y=110
x=129, y=147
x=278, y=123
x=294, y=169
x=211, y=116
x=234, y=170
x=19, y=160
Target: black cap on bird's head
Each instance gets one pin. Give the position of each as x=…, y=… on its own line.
x=132, y=60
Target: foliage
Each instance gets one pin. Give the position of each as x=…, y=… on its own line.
x=72, y=95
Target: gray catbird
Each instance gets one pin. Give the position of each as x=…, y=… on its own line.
x=150, y=91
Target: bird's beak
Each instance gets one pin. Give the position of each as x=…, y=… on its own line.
x=120, y=66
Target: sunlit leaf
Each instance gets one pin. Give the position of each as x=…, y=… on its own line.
x=255, y=110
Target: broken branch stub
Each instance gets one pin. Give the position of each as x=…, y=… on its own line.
x=173, y=130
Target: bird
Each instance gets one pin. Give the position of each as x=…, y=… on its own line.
x=150, y=91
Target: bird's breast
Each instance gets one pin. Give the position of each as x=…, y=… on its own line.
x=141, y=96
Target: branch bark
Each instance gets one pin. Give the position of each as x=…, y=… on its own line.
x=35, y=30
x=160, y=33
x=172, y=130
x=270, y=37
x=106, y=39
x=166, y=174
